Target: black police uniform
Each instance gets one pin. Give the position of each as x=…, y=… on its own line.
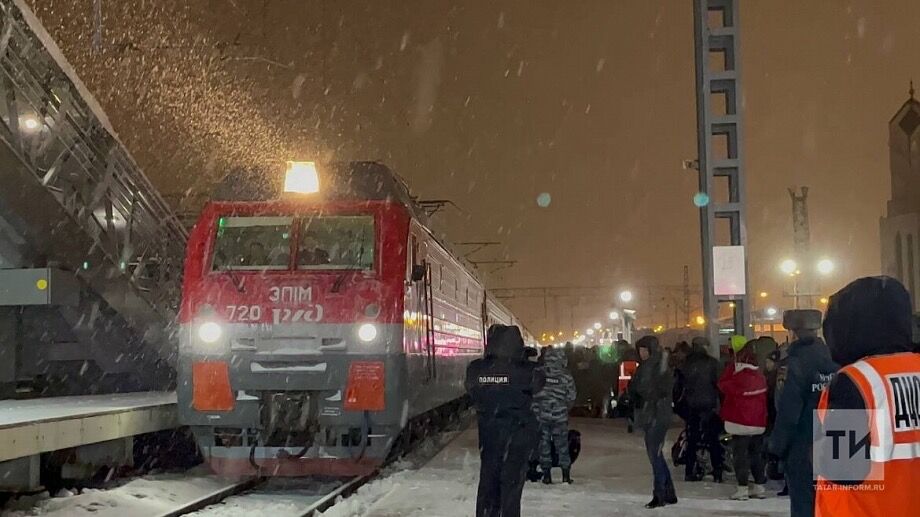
x=501, y=386
x=808, y=371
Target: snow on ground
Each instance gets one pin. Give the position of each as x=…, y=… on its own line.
x=612, y=477
x=278, y=497
x=146, y=496
x=17, y=412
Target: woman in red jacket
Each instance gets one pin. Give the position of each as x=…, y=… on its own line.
x=744, y=412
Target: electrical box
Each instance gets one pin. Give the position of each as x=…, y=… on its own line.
x=38, y=286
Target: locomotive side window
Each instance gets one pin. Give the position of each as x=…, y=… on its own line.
x=252, y=243
x=336, y=242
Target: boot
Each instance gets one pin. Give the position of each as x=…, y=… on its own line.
x=547, y=477
x=717, y=476
x=670, y=497
x=655, y=503
x=758, y=492
x=741, y=494
x=567, y=476
x=784, y=492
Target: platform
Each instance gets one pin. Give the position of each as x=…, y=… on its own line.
x=31, y=427
x=612, y=477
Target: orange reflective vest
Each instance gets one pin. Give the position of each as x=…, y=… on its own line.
x=889, y=384
x=627, y=370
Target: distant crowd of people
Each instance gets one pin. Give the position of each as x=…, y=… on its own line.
x=749, y=414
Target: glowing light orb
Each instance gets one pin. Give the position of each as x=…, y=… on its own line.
x=701, y=199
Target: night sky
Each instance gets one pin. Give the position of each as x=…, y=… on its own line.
x=492, y=103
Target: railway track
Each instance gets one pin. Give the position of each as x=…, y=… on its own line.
x=279, y=497
x=304, y=497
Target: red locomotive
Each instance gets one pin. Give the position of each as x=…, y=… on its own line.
x=318, y=330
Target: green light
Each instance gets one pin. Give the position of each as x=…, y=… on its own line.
x=85, y=264
x=222, y=222
x=607, y=354
x=122, y=265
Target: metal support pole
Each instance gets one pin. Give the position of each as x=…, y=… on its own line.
x=719, y=138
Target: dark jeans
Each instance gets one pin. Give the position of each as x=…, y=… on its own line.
x=504, y=448
x=704, y=427
x=797, y=468
x=663, y=487
x=749, y=458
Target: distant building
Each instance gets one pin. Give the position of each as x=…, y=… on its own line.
x=900, y=228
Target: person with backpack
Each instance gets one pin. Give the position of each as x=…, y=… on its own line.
x=552, y=405
x=701, y=398
x=744, y=411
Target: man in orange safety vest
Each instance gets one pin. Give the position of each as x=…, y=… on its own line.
x=868, y=329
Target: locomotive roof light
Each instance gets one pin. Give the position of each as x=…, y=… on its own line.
x=367, y=332
x=301, y=178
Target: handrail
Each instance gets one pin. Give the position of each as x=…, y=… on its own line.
x=50, y=121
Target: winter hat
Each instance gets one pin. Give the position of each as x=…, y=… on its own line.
x=738, y=342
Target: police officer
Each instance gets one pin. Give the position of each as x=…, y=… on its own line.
x=868, y=330
x=552, y=405
x=809, y=368
x=501, y=386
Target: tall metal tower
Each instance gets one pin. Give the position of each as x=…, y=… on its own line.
x=686, y=300
x=801, y=235
x=720, y=159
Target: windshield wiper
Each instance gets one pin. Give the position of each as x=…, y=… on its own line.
x=227, y=268
x=337, y=286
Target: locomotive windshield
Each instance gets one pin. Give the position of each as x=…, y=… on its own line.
x=253, y=243
x=326, y=242
x=336, y=242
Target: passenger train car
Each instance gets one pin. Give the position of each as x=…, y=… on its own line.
x=317, y=329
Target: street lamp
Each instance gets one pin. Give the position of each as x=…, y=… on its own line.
x=771, y=312
x=614, y=315
x=597, y=326
x=826, y=266
x=626, y=296
x=788, y=266
x=589, y=332
x=763, y=294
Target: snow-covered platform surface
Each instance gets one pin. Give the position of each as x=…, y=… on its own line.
x=612, y=477
x=34, y=426
x=20, y=412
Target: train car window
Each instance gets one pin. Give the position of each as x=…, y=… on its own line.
x=252, y=243
x=331, y=242
x=435, y=274
x=448, y=284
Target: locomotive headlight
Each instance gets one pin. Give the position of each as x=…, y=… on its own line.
x=210, y=332
x=367, y=332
